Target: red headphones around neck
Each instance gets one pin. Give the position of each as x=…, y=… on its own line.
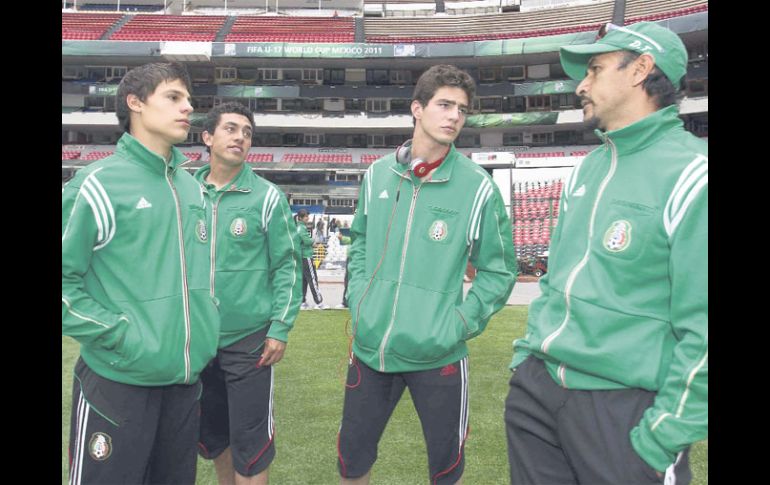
x=418, y=166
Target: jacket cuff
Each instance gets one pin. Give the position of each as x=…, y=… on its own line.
x=470, y=327
x=278, y=331
x=469, y=310
x=648, y=448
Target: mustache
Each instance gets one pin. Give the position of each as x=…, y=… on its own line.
x=585, y=100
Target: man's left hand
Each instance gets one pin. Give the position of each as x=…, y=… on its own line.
x=272, y=353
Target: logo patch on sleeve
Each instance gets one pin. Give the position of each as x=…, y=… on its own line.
x=618, y=236
x=438, y=230
x=100, y=446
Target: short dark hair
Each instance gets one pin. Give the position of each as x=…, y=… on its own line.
x=215, y=115
x=440, y=76
x=142, y=81
x=657, y=85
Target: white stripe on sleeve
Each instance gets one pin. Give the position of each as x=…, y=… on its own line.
x=692, y=180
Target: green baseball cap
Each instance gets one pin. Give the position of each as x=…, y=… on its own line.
x=661, y=43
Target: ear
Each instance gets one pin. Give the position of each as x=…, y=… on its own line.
x=207, y=138
x=134, y=103
x=416, y=109
x=643, y=66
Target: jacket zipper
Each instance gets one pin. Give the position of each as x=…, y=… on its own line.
x=214, y=218
x=581, y=264
x=213, y=243
x=185, y=296
x=415, y=192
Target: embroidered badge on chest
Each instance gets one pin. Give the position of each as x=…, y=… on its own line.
x=618, y=236
x=201, y=231
x=438, y=231
x=100, y=446
x=238, y=227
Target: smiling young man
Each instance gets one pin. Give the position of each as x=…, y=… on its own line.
x=422, y=213
x=256, y=278
x=135, y=293
x=610, y=381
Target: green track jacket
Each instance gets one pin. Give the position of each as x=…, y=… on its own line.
x=406, y=282
x=135, y=268
x=306, y=240
x=255, y=269
x=625, y=300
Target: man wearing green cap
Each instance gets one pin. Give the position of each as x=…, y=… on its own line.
x=610, y=381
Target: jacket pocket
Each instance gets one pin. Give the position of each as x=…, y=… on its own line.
x=152, y=349
x=427, y=326
x=131, y=343
x=622, y=232
x=372, y=315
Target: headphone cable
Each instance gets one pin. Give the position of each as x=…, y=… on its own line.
x=351, y=356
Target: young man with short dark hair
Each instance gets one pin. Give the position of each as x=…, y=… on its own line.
x=135, y=292
x=423, y=213
x=256, y=279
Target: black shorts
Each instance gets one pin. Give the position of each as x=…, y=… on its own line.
x=237, y=406
x=440, y=397
x=121, y=433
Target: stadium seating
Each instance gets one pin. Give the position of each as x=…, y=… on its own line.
x=147, y=27
x=535, y=208
x=97, y=155
x=513, y=25
x=369, y=158
x=123, y=7
x=259, y=157
x=292, y=29
x=317, y=158
x=303, y=29
x=80, y=26
x=541, y=154
x=194, y=156
x=70, y=154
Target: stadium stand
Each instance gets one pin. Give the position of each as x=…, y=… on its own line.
x=319, y=123
x=79, y=26
x=259, y=157
x=535, y=210
x=513, y=25
x=293, y=29
x=146, y=27
x=316, y=158
x=97, y=155
x=193, y=155
x=70, y=154
x=369, y=158
x=123, y=7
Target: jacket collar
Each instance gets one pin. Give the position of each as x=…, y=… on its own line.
x=132, y=149
x=643, y=133
x=441, y=174
x=239, y=182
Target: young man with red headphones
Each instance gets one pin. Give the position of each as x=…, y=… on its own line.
x=407, y=260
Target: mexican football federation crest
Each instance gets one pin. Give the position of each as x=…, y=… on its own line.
x=438, y=231
x=100, y=446
x=201, y=231
x=238, y=227
x=618, y=236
